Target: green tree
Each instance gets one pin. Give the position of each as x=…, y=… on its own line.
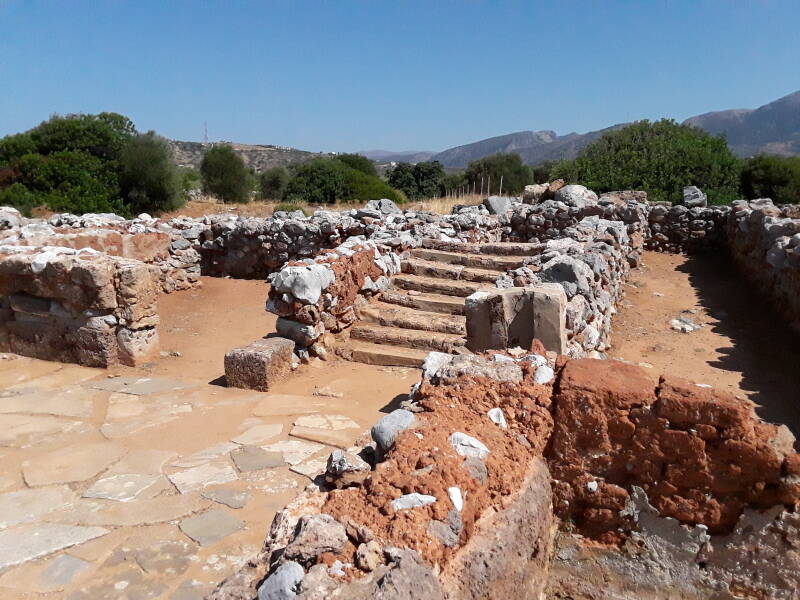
x=659, y=158
x=148, y=178
x=776, y=177
x=422, y=180
x=515, y=175
x=273, y=182
x=541, y=172
x=452, y=182
x=329, y=180
x=224, y=174
x=359, y=163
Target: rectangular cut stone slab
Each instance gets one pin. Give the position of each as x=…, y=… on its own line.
x=24, y=506
x=199, y=477
x=211, y=526
x=71, y=464
x=505, y=318
x=259, y=365
x=25, y=543
x=288, y=404
x=258, y=434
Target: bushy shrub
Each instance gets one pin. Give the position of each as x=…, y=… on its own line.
x=225, y=175
x=659, y=158
x=496, y=169
x=290, y=207
x=327, y=181
x=359, y=163
x=418, y=181
x=776, y=177
x=148, y=179
x=273, y=182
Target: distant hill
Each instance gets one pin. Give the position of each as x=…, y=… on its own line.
x=770, y=129
x=387, y=156
x=260, y=158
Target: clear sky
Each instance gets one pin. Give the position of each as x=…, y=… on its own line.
x=355, y=75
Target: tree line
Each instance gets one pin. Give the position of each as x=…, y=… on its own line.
x=101, y=163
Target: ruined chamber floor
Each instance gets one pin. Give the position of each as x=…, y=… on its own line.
x=743, y=346
x=62, y=440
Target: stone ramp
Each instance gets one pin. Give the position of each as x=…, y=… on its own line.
x=423, y=310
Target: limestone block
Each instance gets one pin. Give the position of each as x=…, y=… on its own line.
x=505, y=318
x=260, y=364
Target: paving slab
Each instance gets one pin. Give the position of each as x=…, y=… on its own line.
x=342, y=438
x=121, y=514
x=228, y=496
x=192, y=589
x=25, y=543
x=72, y=402
x=61, y=571
x=259, y=434
x=44, y=576
x=140, y=386
x=24, y=506
x=21, y=370
x=59, y=378
x=152, y=416
x=288, y=404
x=333, y=422
x=163, y=552
x=199, y=477
x=22, y=430
x=253, y=458
x=211, y=526
x=71, y=464
x=130, y=583
x=311, y=468
x=121, y=488
x=294, y=451
x=205, y=455
x=142, y=461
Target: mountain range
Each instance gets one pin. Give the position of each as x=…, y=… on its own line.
x=770, y=129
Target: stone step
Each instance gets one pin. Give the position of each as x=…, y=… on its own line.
x=437, y=303
x=426, y=268
x=387, y=356
x=437, y=286
x=479, y=261
x=497, y=248
x=407, y=338
x=391, y=315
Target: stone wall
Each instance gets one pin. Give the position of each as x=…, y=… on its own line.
x=764, y=242
x=81, y=306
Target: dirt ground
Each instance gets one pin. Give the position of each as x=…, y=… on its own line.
x=743, y=346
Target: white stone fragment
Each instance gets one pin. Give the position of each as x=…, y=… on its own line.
x=413, y=500
x=467, y=446
x=497, y=417
x=456, y=498
x=592, y=486
x=544, y=374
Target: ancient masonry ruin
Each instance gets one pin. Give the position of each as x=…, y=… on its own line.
x=522, y=465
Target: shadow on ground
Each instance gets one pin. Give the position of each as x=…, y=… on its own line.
x=765, y=350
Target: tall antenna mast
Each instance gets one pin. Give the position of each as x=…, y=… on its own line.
x=205, y=135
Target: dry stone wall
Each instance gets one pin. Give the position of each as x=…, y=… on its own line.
x=79, y=306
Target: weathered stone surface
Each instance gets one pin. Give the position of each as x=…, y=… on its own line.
x=260, y=364
x=510, y=317
x=282, y=583
x=121, y=514
x=338, y=438
x=199, y=477
x=294, y=451
x=139, y=386
x=259, y=434
x=288, y=404
x=311, y=468
x=254, y=458
x=32, y=541
x=211, y=526
x=227, y=496
x=24, y=506
x=323, y=421
x=412, y=500
x=387, y=429
x=316, y=534
x=72, y=464
x=122, y=488
x=468, y=446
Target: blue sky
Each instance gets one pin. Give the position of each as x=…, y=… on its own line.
x=355, y=75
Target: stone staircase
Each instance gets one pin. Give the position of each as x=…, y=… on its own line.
x=423, y=311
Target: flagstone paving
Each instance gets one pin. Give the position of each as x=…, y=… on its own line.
x=119, y=484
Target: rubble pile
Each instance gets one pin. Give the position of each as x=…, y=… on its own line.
x=451, y=497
